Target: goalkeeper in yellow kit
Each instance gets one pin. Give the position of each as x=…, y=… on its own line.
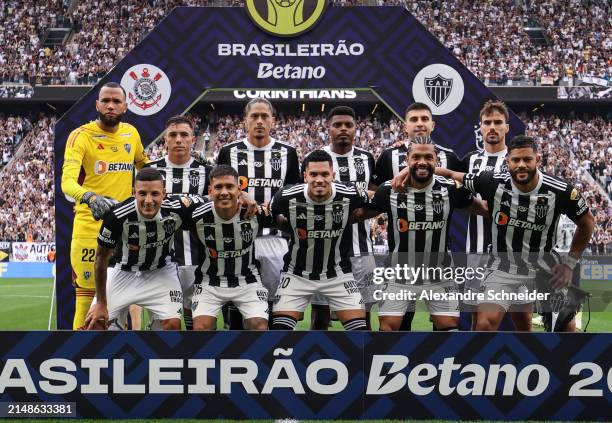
x=98, y=166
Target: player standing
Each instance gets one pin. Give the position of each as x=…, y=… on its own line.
x=418, y=123
x=419, y=222
x=356, y=166
x=317, y=216
x=183, y=174
x=264, y=166
x=98, y=168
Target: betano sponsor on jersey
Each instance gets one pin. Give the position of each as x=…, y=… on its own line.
x=404, y=226
x=318, y=234
x=101, y=167
x=502, y=219
x=260, y=182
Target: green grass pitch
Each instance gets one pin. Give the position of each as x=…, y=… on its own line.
x=25, y=305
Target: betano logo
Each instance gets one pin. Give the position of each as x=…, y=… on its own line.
x=285, y=18
x=101, y=167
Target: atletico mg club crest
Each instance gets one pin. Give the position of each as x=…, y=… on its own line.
x=438, y=89
x=148, y=89
x=359, y=166
x=276, y=161
x=541, y=208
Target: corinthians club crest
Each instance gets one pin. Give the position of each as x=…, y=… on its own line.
x=148, y=89
x=438, y=89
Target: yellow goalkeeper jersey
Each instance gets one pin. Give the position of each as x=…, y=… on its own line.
x=101, y=162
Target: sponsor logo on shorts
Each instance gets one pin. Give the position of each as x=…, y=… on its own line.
x=262, y=295
x=176, y=296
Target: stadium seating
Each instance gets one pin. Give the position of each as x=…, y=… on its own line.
x=576, y=41
x=27, y=188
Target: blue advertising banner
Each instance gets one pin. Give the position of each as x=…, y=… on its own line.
x=26, y=270
x=194, y=49
x=317, y=375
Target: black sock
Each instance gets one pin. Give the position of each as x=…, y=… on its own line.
x=407, y=321
x=188, y=318
x=235, y=318
x=283, y=322
x=355, y=324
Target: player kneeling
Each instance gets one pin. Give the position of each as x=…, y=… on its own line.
x=229, y=271
x=139, y=230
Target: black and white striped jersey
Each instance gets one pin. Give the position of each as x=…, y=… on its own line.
x=393, y=160
x=318, y=247
x=189, y=178
x=525, y=222
x=141, y=243
x=228, y=252
x=263, y=171
x=478, y=238
x=419, y=219
x=356, y=167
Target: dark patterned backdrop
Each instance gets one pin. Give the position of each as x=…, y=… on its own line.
x=184, y=46
x=556, y=353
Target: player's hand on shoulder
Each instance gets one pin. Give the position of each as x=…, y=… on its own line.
x=98, y=204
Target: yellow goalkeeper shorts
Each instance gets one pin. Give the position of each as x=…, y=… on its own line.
x=82, y=257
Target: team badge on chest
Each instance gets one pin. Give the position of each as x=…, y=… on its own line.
x=275, y=161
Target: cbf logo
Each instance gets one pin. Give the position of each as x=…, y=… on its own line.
x=147, y=87
x=285, y=18
x=440, y=87
x=276, y=161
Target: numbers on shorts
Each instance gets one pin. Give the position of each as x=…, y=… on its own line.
x=88, y=254
x=284, y=282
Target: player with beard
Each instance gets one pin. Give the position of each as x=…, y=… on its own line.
x=493, y=127
x=524, y=207
x=392, y=162
x=264, y=166
x=356, y=166
x=418, y=229
x=99, y=164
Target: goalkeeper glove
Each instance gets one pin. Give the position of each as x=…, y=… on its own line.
x=98, y=204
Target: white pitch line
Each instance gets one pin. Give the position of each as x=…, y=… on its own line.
x=24, y=296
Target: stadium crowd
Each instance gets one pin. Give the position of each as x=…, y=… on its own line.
x=12, y=131
x=579, y=41
x=27, y=188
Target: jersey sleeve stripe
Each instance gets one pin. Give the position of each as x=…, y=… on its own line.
x=72, y=138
